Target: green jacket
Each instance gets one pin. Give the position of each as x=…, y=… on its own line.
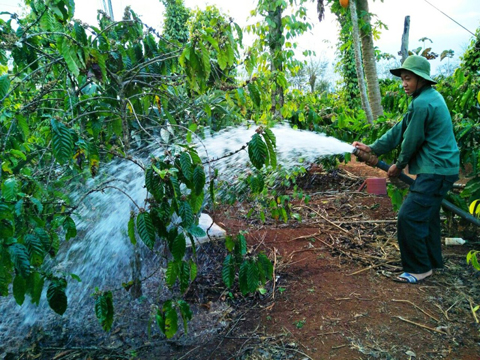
x=426, y=135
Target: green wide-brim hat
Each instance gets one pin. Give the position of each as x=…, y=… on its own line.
x=416, y=64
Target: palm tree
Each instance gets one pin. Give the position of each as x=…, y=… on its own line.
x=368, y=56
x=364, y=50
x=358, y=64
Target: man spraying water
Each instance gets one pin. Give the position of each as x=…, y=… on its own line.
x=429, y=148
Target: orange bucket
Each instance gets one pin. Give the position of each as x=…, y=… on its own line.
x=377, y=186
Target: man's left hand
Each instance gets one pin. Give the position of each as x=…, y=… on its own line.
x=393, y=171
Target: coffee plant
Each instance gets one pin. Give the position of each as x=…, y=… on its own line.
x=75, y=96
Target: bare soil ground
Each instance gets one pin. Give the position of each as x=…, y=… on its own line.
x=333, y=296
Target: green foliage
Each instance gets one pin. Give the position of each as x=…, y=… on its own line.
x=271, y=58
x=62, y=142
x=104, y=310
x=20, y=259
x=472, y=259
x=211, y=55
x=261, y=148
x=4, y=85
x=471, y=57
x=146, y=229
x=70, y=228
x=346, y=64
x=257, y=151
x=19, y=289
x=57, y=299
x=176, y=19
x=253, y=271
x=167, y=316
x=131, y=229
x=396, y=196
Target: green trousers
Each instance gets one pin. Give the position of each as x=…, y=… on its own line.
x=418, y=224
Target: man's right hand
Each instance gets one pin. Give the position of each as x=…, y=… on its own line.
x=361, y=146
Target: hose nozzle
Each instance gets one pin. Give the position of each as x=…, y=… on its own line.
x=369, y=157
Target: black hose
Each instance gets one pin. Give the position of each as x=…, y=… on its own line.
x=447, y=204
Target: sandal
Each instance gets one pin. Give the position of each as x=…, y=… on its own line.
x=407, y=278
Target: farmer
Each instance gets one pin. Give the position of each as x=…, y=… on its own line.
x=428, y=147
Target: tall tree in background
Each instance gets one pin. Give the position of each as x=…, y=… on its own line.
x=176, y=18
x=211, y=19
x=315, y=70
x=368, y=57
x=311, y=76
x=272, y=55
x=275, y=43
x=365, y=64
x=366, y=104
x=346, y=57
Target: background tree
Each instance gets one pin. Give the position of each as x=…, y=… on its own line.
x=359, y=63
x=275, y=44
x=368, y=57
x=311, y=75
x=208, y=20
x=345, y=65
x=175, y=20
x=274, y=48
x=316, y=71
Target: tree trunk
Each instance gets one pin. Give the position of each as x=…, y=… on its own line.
x=276, y=45
x=369, y=63
x=406, y=31
x=358, y=62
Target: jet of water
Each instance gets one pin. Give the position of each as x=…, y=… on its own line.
x=294, y=147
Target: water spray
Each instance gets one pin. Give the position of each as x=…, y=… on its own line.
x=371, y=159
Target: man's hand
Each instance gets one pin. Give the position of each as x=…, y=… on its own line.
x=393, y=171
x=361, y=146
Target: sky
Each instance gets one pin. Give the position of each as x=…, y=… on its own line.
x=425, y=21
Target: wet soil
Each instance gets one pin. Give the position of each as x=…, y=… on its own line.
x=333, y=296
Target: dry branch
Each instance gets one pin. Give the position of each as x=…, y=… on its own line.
x=418, y=308
x=421, y=325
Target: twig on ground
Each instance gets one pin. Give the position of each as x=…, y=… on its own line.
x=297, y=261
x=305, y=237
x=329, y=333
x=247, y=340
x=285, y=329
x=470, y=301
x=274, y=271
x=445, y=313
x=421, y=325
x=327, y=244
x=290, y=256
x=418, y=308
x=184, y=356
x=58, y=356
x=259, y=243
x=364, y=221
x=364, y=269
x=370, y=267
x=330, y=222
x=298, y=351
x=228, y=332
